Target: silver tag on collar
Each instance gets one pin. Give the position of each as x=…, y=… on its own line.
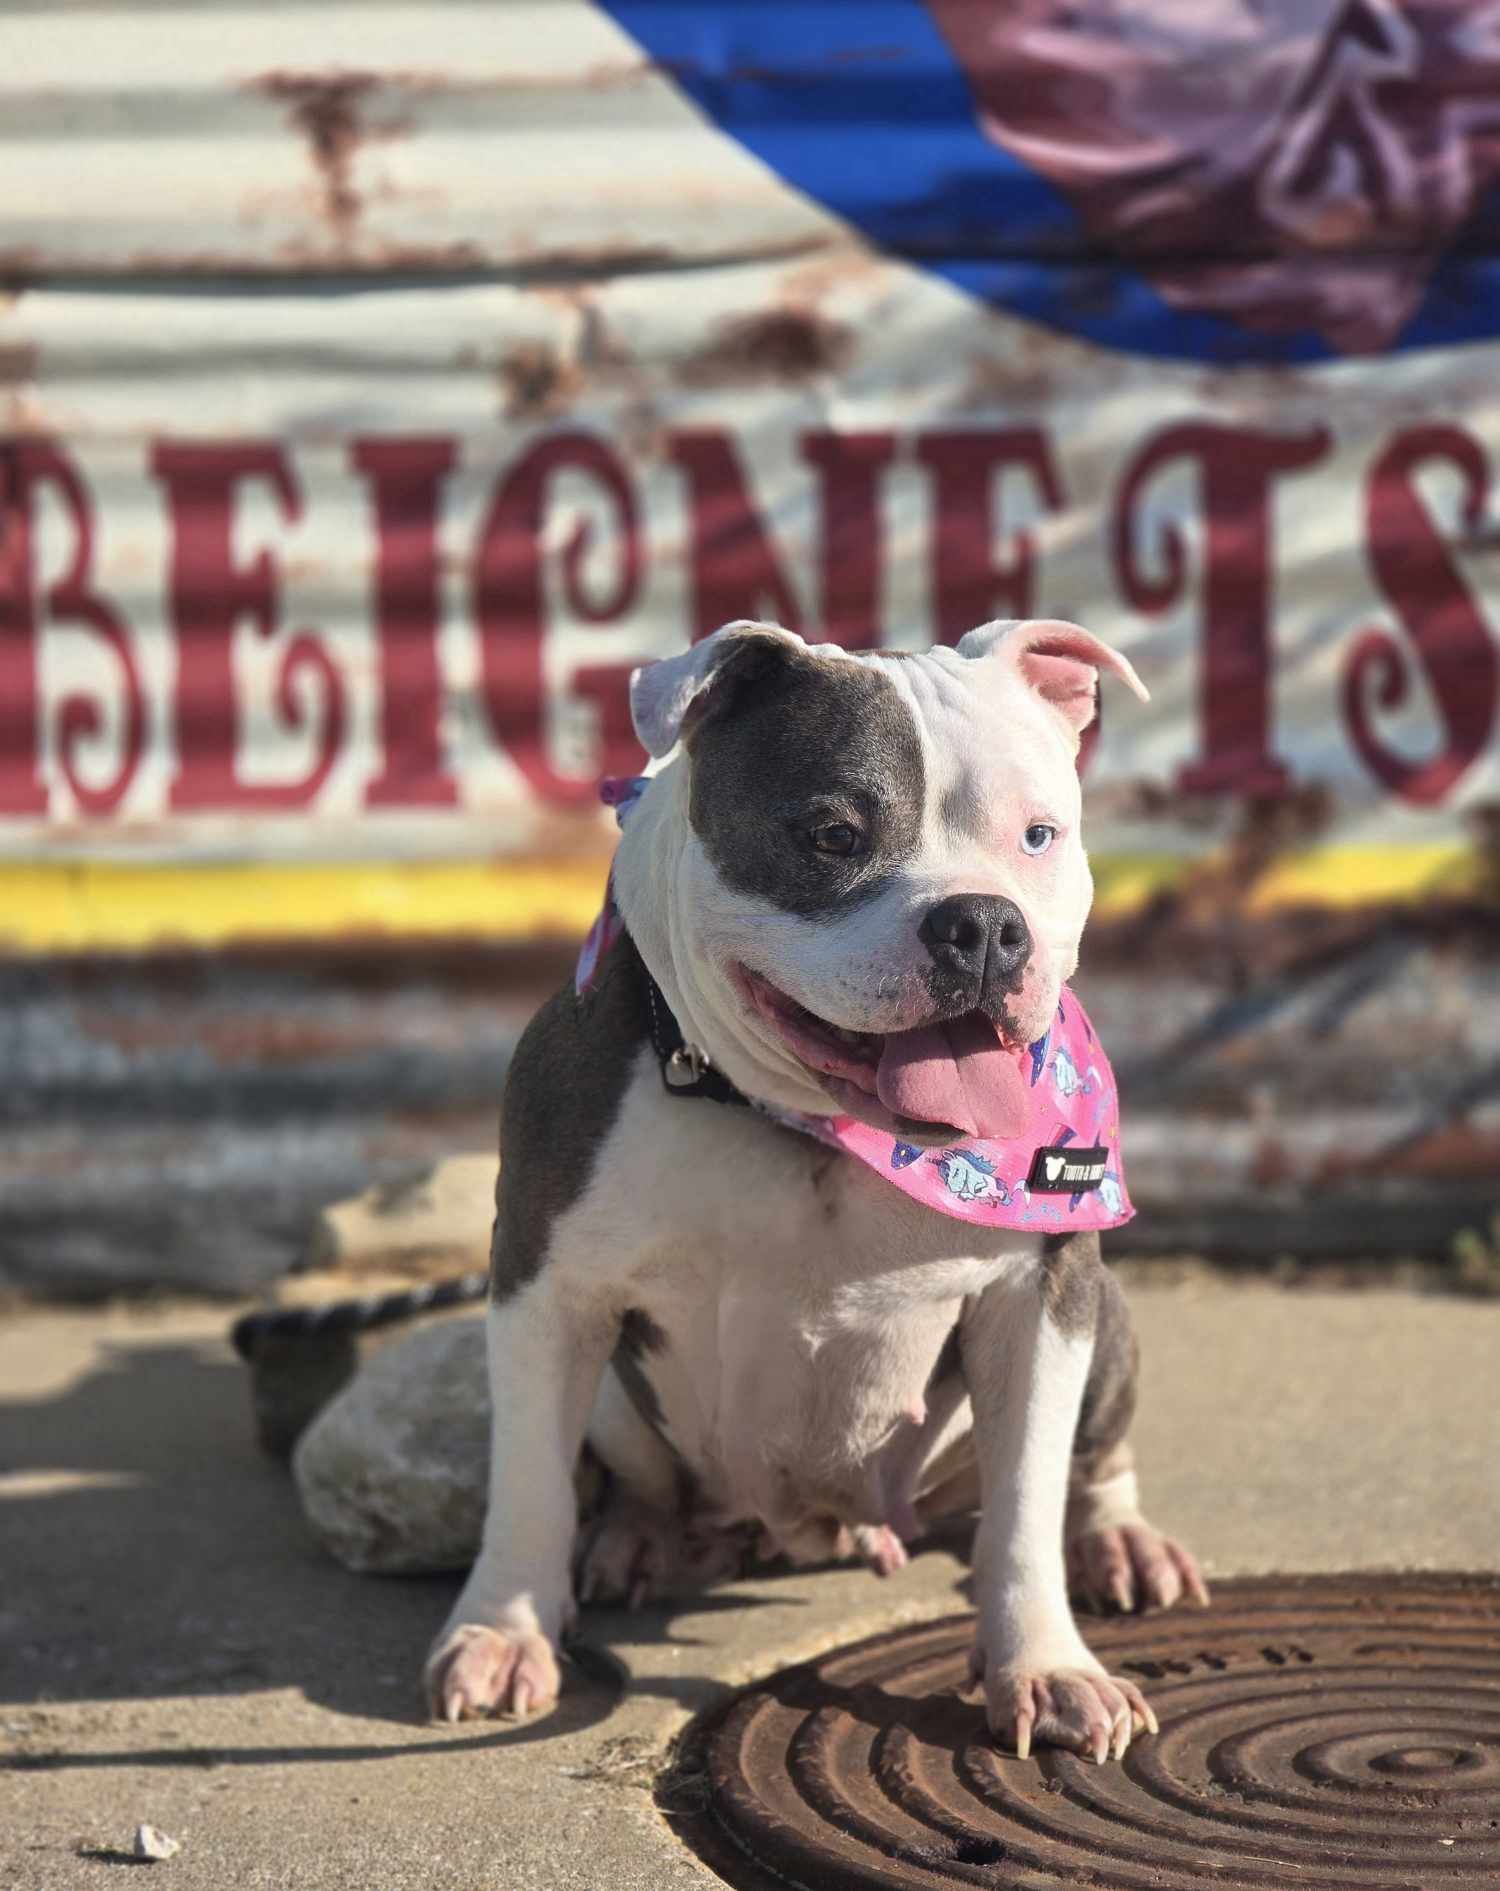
x=684, y=1067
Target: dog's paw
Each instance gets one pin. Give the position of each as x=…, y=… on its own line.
x=635, y=1556
x=879, y=1547
x=624, y=1559
x=476, y=1671
x=1082, y=1709
x=1131, y=1567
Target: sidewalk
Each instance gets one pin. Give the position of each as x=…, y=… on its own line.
x=174, y=1649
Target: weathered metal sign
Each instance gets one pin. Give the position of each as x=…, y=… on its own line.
x=380, y=384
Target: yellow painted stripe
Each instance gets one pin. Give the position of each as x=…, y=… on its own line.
x=1124, y=882
x=1341, y=876
x=1361, y=876
x=94, y=906
x=98, y=907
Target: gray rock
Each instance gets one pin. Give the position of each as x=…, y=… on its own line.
x=150, y=1843
x=392, y=1471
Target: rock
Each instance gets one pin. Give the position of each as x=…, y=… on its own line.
x=432, y=1230
x=434, y=1224
x=150, y=1843
x=392, y=1471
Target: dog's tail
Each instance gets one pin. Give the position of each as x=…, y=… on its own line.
x=359, y=1314
x=300, y=1357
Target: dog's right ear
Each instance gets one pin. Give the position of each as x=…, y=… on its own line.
x=668, y=700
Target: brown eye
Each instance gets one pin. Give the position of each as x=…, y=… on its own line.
x=838, y=837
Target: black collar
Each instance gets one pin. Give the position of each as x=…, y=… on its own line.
x=685, y=1071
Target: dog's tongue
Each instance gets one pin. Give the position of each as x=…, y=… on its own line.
x=957, y=1073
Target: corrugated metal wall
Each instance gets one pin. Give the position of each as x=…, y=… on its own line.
x=379, y=383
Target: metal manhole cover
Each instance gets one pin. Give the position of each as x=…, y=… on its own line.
x=1333, y=1732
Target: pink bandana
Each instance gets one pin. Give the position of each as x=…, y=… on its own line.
x=1064, y=1172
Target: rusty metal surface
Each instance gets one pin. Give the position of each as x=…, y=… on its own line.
x=178, y=1124
x=1339, y=1733
x=1344, y=1101
x=178, y=1121
x=182, y=139
x=379, y=383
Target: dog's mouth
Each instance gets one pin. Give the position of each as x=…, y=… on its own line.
x=954, y=1074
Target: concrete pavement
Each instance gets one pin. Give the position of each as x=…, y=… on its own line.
x=174, y=1649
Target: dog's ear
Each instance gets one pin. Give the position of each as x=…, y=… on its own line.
x=1061, y=662
x=670, y=699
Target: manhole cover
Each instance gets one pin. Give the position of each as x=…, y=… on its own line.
x=1327, y=1732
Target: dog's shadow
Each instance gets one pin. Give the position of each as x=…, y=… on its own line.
x=154, y=1553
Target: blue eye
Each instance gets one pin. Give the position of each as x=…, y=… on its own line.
x=1038, y=838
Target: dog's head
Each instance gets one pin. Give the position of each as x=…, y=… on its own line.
x=860, y=882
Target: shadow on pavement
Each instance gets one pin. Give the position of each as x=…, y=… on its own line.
x=154, y=1553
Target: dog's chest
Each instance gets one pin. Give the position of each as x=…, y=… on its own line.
x=803, y=1314
x=790, y=1410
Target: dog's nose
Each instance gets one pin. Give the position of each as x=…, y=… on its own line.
x=977, y=933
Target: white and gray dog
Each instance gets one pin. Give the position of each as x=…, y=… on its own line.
x=842, y=855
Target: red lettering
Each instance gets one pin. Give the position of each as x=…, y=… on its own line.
x=406, y=478
x=1236, y=467
x=511, y=608
x=26, y=466
x=1450, y=637
x=969, y=584
x=22, y=790
x=735, y=570
x=209, y=594
x=851, y=552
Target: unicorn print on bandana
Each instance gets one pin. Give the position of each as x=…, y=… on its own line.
x=971, y=1177
x=1069, y=1081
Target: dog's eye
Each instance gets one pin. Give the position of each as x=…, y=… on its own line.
x=1038, y=838
x=838, y=837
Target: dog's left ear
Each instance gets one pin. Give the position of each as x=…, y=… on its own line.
x=668, y=700
x=1062, y=662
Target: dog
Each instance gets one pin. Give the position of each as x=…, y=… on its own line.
x=842, y=911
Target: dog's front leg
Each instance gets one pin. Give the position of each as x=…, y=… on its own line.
x=1025, y=1360
x=498, y=1652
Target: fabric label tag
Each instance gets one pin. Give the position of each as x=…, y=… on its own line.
x=1067, y=1170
